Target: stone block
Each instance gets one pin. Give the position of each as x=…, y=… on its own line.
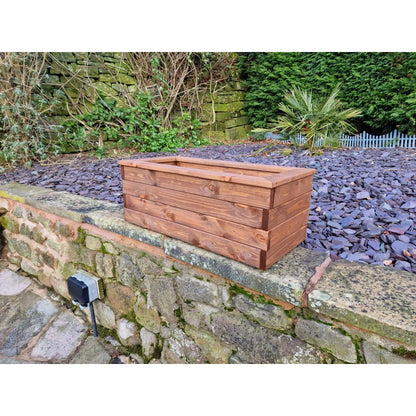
x=17, y=327
x=40, y=219
x=104, y=263
x=37, y=235
x=229, y=97
x=109, y=248
x=268, y=315
x=61, y=339
x=285, y=280
x=12, y=284
x=19, y=192
x=23, y=248
x=197, y=314
x=111, y=218
x=149, y=342
x=92, y=243
x=147, y=316
x=181, y=349
x=236, y=133
x=28, y=267
x=125, y=79
x=19, y=211
x=127, y=272
x=229, y=107
x=105, y=315
x=107, y=78
x=67, y=205
x=91, y=352
x=375, y=298
x=9, y=224
x=41, y=258
x=4, y=205
x=373, y=354
x=215, y=351
x=25, y=230
x=161, y=295
x=328, y=338
x=259, y=345
x=236, y=121
x=106, y=90
x=60, y=286
x=194, y=289
x=64, y=230
x=148, y=267
x=64, y=56
x=121, y=298
x=128, y=333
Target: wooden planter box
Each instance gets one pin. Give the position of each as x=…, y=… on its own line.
x=251, y=213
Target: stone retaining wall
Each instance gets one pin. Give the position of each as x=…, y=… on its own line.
x=171, y=302
x=83, y=75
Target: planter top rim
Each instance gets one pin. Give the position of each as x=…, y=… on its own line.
x=265, y=176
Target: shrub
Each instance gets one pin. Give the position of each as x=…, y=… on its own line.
x=137, y=126
x=382, y=85
x=25, y=133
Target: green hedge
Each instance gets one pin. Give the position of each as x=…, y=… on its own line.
x=382, y=85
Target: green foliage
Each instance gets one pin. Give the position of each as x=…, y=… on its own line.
x=381, y=85
x=137, y=126
x=24, y=132
x=315, y=118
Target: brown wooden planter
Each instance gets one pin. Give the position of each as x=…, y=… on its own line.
x=251, y=213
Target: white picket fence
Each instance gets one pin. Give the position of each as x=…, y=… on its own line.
x=366, y=140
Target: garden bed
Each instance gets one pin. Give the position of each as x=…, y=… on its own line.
x=363, y=203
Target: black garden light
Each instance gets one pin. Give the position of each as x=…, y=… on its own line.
x=84, y=289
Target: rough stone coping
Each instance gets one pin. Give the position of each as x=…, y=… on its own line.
x=285, y=280
x=375, y=298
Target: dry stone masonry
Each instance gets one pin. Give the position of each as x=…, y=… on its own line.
x=170, y=302
x=223, y=116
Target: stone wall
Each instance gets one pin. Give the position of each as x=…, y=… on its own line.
x=224, y=117
x=171, y=302
x=82, y=75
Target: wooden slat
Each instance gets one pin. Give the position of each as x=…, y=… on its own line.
x=231, y=249
x=239, y=193
x=239, y=171
x=288, y=227
x=279, y=178
x=234, y=165
x=291, y=190
x=242, y=214
x=283, y=247
x=200, y=173
x=284, y=211
x=222, y=228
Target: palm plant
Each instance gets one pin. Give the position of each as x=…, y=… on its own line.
x=320, y=121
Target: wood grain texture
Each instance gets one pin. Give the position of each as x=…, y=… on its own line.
x=291, y=190
x=287, y=210
x=239, y=193
x=291, y=225
x=230, y=211
x=222, y=228
x=283, y=247
x=219, y=245
x=248, y=212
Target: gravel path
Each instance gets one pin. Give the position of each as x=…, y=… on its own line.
x=363, y=205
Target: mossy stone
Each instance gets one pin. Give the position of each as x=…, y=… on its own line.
x=9, y=224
